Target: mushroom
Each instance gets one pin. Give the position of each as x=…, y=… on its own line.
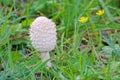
x=43, y=37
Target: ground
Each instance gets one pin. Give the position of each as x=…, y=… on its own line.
x=88, y=40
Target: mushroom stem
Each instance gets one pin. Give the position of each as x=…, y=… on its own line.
x=45, y=56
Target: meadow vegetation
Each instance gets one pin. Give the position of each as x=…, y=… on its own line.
x=88, y=40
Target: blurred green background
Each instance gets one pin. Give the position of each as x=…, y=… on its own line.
x=84, y=51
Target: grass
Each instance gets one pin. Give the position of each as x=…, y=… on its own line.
x=84, y=51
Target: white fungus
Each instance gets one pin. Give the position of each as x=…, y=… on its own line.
x=43, y=37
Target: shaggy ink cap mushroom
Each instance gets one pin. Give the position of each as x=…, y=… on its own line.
x=43, y=36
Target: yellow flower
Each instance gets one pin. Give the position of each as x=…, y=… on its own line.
x=100, y=12
x=83, y=19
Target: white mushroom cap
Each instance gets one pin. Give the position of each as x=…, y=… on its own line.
x=43, y=34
